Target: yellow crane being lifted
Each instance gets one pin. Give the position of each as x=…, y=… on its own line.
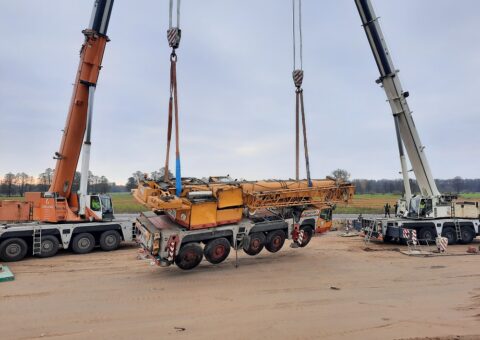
x=223, y=214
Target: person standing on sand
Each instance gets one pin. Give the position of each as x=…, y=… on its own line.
x=387, y=209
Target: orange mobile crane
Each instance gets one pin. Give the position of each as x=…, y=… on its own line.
x=46, y=220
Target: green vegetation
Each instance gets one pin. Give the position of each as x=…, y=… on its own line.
x=13, y=198
x=124, y=203
x=470, y=195
x=358, y=210
x=383, y=196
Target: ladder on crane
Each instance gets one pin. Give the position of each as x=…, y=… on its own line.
x=369, y=231
x=456, y=223
x=37, y=241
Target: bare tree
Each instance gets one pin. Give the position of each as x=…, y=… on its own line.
x=341, y=174
x=458, y=184
x=8, y=180
x=45, y=179
x=139, y=176
x=76, y=181
x=158, y=175
x=102, y=184
x=21, y=181
x=131, y=183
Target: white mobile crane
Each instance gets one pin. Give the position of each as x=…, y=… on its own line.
x=430, y=213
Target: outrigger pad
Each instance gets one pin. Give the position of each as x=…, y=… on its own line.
x=6, y=274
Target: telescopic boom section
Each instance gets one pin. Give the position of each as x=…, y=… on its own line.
x=397, y=99
x=91, y=55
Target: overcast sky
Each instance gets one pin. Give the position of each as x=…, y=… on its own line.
x=236, y=94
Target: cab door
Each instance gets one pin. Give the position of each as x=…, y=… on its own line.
x=107, y=207
x=324, y=222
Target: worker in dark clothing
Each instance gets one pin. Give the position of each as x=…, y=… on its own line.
x=395, y=209
x=387, y=209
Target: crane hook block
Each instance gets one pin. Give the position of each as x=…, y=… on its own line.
x=297, y=78
x=173, y=35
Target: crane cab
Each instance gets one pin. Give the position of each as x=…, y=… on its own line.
x=101, y=206
x=324, y=222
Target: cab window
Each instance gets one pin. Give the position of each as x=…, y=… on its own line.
x=326, y=214
x=106, y=204
x=95, y=203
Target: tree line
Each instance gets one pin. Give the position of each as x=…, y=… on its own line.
x=137, y=176
x=456, y=185
x=19, y=183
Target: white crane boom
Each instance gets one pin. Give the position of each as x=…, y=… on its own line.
x=397, y=99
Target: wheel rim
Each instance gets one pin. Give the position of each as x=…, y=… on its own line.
x=110, y=240
x=13, y=250
x=307, y=236
x=218, y=252
x=256, y=244
x=190, y=256
x=465, y=235
x=84, y=243
x=449, y=235
x=277, y=241
x=47, y=246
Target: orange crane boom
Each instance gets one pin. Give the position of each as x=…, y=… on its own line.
x=59, y=204
x=91, y=55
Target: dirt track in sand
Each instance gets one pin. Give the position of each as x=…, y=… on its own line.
x=378, y=295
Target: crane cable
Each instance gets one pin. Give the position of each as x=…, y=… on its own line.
x=173, y=36
x=297, y=75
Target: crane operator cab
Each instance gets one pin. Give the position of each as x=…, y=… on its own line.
x=420, y=207
x=101, y=205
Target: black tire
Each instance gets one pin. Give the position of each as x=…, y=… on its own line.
x=450, y=234
x=49, y=246
x=275, y=240
x=189, y=257
x=467, y=235
x=307, y=235
x=83, y=243
x=217, y=250
x=427, y=233
x=387, y=239
x=13, y=249
x=110, y=240
x=256, y=242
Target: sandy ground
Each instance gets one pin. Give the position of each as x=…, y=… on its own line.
x=375, y=295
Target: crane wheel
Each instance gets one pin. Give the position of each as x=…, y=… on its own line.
x=49, y=246
x=449, y=233
x=255, y=244
x=217, y=250
x=467, y=235
x=427, y=233
x=275, y=240
x=13, y=249
x=387, y=239
x=189, y=257
x=110, y=240
x=83, y=243
x=307, y=235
